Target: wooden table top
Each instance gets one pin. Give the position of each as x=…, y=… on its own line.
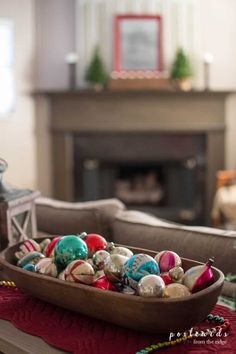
x=14, y=341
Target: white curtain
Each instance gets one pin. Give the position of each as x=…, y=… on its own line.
x=94, y=19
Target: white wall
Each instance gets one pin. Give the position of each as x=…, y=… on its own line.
x=17, y=130
x=216, y=32
x=55, y=37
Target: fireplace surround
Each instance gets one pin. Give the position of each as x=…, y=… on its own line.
x=174, y=141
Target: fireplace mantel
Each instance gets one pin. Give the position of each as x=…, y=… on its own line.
x=137, y=111
x=128, y=112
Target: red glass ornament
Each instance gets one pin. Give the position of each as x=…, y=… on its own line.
x=95, y=243
x=49, y=251
x=167, y=279
x=104, y=284
x=199, y=277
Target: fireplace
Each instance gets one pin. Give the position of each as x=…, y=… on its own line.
x=108, y=143
x=162, y=174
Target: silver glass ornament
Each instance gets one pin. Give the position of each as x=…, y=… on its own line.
x=114, y=268
x=122, y=251
x=151, y=286
x=110, y=246
x=100, y=258
x=176, y=273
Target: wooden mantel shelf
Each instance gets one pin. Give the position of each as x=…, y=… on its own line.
x=108, y=92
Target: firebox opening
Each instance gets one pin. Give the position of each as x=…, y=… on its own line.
x=141, y=185
x=160, y=174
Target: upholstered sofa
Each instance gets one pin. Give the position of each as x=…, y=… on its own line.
x=111, y=219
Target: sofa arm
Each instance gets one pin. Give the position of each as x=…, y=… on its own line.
x=60, y=218
x=229, y=289
x=139, y=229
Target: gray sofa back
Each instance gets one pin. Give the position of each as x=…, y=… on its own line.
x=63, y=218
x=135, y=228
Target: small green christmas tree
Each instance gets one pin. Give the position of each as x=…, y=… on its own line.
x=181, y=68
x=96, y=72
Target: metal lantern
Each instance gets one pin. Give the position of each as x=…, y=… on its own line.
x=17, y=212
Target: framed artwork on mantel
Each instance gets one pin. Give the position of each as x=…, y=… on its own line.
x=138, y=43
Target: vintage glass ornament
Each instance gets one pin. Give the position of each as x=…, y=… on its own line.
x=98, y=274
x=90, y=261
x=151, y=286
x=49, y=249
x=138, y=266
x=114, y=268
x=68, y=249
x=100, y=258
x=46, y=266
x=110, y=246
x=127, y=290
x=31, y=257
x=176, y=290
x=79, y=271
x=43, y=244
x=176, y=273
x=199, y=277
x=123, y=251
x=104, y=284
x=30, y=267
x=26, y=247
x=168, y=260
x=95, y=243
x=61, y=275
x=166, y=278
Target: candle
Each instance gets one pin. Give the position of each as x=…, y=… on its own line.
x=208, y=58
x=71, y=58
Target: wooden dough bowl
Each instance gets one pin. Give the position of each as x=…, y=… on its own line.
x=135, y=312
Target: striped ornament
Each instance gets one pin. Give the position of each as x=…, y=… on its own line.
x=199, y=277
x=168, y=260
x=79, y=271
x=26, y=247
x=46, y=266
x=138, y=266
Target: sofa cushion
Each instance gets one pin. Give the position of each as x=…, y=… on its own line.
x=199, y=243
x=60, y=218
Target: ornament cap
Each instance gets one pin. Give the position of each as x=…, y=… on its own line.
x=82, y=235
x=210, y=262
x=110, y=246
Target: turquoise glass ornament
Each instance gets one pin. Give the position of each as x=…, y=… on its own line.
x=30, y=267
x=31, y=257
x=138, y=266
x=68, y=249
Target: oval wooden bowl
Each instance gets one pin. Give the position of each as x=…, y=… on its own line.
x=151, y=315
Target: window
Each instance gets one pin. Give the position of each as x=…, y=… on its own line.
x=7, y=87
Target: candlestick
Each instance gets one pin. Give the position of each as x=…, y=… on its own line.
x=71, y=60
x=208, y=60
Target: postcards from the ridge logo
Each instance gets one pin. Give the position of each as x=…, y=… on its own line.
x=198, y=334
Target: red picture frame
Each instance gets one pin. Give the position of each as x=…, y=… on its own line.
x=118, y=66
